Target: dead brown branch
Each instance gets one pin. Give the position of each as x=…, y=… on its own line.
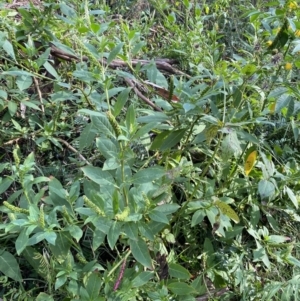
x=211, y=294
x=161, y=63
x=36, y=83
x=143, y=97
x=70, y=147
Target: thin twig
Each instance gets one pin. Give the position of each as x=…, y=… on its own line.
x=213, y=293
x=70, y=147
x=143, y=97
x=11, y=141
x=161, y=63
x=36, y=83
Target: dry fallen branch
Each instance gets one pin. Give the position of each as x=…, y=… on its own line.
x=36, y=83
x=161, y=63
x=139, y=94
x=211, y=294
x=11, y=141
x=70, y=147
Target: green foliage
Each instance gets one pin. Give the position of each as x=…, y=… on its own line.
x=121, y=181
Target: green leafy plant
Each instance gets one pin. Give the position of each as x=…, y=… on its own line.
x=152, y=158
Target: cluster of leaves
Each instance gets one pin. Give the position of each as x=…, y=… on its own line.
x=106, y=198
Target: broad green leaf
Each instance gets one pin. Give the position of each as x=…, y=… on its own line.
x=115, y=202
x=84, y=76
x=36, y=238
x=260, y=254
x=21, y=241
x=212, y=120
x=9, y=266
x=75, y=231
x=145, y=130
x=93, y=285
x=43, y=57
x=273, y=223
x=2, y=167
x=62, y=245
x=121, y=101
x=24, y=82
x=114, y=53
x=111, y=164
x=254, y=215
x=151, y=71
x=17, y=73
x=9, y=49
x=86, y=137
x=60, y=281
x=282, y=102
x=158, y=216
x=58, y=194
x=12, y=108
x=247, y=137
x=281, y=37
x=142, y=278
x=177, y=271
x=277, y=239
x=5, y=184
x=51, y=70
x=103, y=224
x=44, y=297
x=3, y=95
x=29, y=161
x=146, y=231
x=181, y=288
x=111, y=93
x=97, y=175
x=95, y=27
x=199, y=285
x=108, y=147
x=161, y=80
x=266, y=189
x=296, y=49
x=102, y=125
x=198, y=217
x=293, y=260
x=166, y=140
x=140, y=252
x=98, y=239
x=157, y=117
x=230, y=146
x=227, y=210
x=68, y=11
x=131, y=230
x=148, y=175
x=167, y=208
x=208, y=246
x=30, y=105
x=158, y=140
x=91, y=113
x=292, y=196
x=268, y=168
x=237, y=97
x=137, y=48
x=290, y=109
x=130, y=119
x=114, y=233
x=249, y=69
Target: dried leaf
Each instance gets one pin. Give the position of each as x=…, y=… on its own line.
x=250, y=161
